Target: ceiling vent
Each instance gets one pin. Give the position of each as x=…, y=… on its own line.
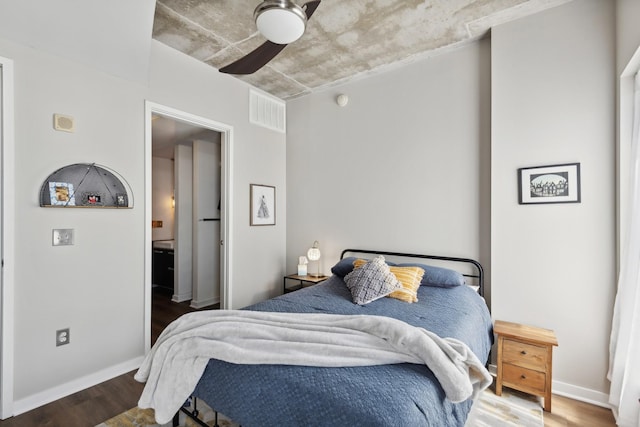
x=267, y=111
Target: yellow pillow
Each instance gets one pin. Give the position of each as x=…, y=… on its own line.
x=409, y=277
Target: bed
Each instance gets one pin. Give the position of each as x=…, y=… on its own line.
x=399, y=394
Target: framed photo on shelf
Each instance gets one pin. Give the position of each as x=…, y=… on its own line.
x=549, y=184
x=92, y=198
x=262, y=204
x=61, y=194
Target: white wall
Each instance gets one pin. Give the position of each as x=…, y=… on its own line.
x=162, y=192
x=628, y=31
x=83, y=32
x=403, y=167
x=553, y=101
x=96, y=287
x=259, y=157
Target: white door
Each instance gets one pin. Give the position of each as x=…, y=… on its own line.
x=206, y=223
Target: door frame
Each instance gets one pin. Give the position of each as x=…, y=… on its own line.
x=7, y=225
x=226, y=216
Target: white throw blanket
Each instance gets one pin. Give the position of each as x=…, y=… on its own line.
x=176, y=362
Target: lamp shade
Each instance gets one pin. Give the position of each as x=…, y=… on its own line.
x=280, y=21
x=314, y=252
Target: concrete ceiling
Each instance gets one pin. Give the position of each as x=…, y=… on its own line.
x=344, y=40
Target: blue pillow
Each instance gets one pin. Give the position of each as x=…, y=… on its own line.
x=345, y=266
x=438, y=276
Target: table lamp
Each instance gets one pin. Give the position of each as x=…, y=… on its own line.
x=314, y=255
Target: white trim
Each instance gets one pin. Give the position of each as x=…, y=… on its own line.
x=625, y=111
x=226, y=196
x=7, y=145
x=626, y=107
x=148, y=244
x=47, y=396
x=187, y=296
x=571, y=391
x=226, y=151
x=581, y=394
x=204, y=303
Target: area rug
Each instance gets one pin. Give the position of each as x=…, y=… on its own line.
x=137, y=417
x=512, y=409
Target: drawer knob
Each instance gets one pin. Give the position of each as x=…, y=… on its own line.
x=524, y=352
x=523, y=376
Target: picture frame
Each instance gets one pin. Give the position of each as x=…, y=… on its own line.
x=61, y=194
x=93, y=198
x=549, y=184
x=262, y=205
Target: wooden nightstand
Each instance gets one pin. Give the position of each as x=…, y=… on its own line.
x=303, y=281
x=525, y=359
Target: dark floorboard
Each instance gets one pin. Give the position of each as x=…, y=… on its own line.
x=94, y=405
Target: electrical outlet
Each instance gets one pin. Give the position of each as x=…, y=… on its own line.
x=62, y=236
x=62, y=337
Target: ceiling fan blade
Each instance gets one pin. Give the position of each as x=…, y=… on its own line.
x=310, y=7
x=258, y=58
x=255, y=60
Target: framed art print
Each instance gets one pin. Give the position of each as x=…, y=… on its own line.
x=549, y=184
x=262, y=204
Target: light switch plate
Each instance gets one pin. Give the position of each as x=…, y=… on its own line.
x=62, y=236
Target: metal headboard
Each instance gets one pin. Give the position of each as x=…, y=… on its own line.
x=476, y=266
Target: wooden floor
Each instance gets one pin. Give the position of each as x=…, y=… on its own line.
x=103, y=401
x=568, y=412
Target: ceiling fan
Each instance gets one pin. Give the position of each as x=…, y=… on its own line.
x=281, y=22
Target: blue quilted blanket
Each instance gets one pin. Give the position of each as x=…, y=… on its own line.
x=389, y=395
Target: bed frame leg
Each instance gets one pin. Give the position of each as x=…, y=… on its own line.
x=194, y=415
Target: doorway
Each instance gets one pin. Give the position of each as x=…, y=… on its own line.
x=201, y=129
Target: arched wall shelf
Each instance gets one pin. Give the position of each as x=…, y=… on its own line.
x=85, y=185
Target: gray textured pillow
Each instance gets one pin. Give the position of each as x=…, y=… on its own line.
x=371, y=281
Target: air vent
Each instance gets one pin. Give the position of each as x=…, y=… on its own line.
x=267, y=111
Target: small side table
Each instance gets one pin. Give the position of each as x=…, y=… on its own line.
x=525, y=359
x=303, y=281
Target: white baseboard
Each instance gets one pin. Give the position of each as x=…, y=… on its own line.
x=181, y=297
x=580, y=393
x=574, y=392
x=47, y=396
x=204, y=303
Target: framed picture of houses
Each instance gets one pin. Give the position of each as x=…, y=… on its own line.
x=549, y=184
x=262, y=204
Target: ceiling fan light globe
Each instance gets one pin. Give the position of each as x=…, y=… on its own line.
x=281, y=22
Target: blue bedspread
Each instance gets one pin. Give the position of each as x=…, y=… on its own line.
x=390, y=395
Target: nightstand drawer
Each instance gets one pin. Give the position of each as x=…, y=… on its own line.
x=525, y=355
x=523, y=379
